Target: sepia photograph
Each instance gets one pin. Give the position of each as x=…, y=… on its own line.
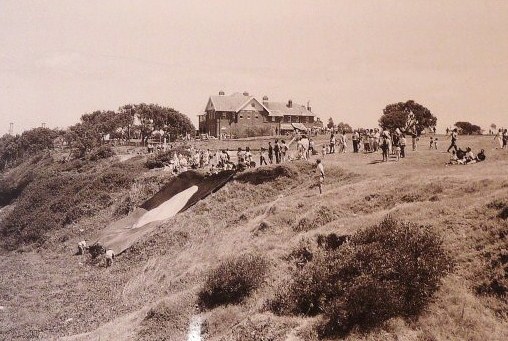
x=271, y=170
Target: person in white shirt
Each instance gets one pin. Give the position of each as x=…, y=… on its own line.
x=320, y=175
x=82, y=247
x=110, y=255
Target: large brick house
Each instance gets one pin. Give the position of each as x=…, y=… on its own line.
x=243, y=115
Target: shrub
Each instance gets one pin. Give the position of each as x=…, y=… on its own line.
x=103, y=152
x=387, y=270
x=159, y=159
x=233, y=280
x=322, y=216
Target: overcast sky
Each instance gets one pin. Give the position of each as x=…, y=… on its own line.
x=60, y=59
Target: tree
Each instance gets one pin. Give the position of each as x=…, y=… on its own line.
x=30, y=142
x=153, y=117
x=468, y=128
x=344, y=127
x=330, y=124
x=396, y=116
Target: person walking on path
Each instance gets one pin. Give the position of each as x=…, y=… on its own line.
x=453, y=143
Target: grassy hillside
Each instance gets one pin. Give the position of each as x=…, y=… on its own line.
x=152, y=289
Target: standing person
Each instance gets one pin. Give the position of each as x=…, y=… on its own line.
x=332, y=143
x=366, y=146
x=505, y=139
x=276, y=150
x=323, y=151
x=270, y=152
x=82, y=247
x=344, y=142
x=355, y=138
x=263, y=156
x=414, y=140
x=312, y=147
x=320, y=175
x=110, y=256
x=435, y=143
x=403, y=146
x=305, y=144
x=240, y=156
x=396, y=145
x=453, y=143
x=499, y=138
x=384, y=146
x=248, y=157
x=283, y=150
x=377, y=135
x=431, y=143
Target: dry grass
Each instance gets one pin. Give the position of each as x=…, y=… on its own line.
x=164, y=271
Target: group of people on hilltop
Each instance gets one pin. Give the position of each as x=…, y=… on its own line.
x=338, y=142
x=462, y=157
x=373, y=140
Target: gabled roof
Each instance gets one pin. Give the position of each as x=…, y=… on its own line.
x=281, y=109
x=232, y=102
x=235, y=102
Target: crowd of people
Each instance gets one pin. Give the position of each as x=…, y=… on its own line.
x=388, y=143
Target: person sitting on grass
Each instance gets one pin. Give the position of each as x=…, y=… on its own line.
x=481, y=156
x=469, y=157
x=454, y=160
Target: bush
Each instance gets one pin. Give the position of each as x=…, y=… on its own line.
x=233, y=280
x=103, y=152
x=158, y=160
x=322, y=216
x=387, y=270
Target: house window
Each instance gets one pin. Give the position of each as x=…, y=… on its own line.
x=241, y=116
x=253, y=105
x=257, y=116
x=248, y=117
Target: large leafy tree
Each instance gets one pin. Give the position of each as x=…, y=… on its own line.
x=30, y=142
x=344, y=127
x=330, y=124
x=468, y=128
x=153, y=117
x=396, y=116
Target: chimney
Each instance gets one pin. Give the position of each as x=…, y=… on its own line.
x=290, y=103
x=265, y=99
x=221, y=93
x=246, y=93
